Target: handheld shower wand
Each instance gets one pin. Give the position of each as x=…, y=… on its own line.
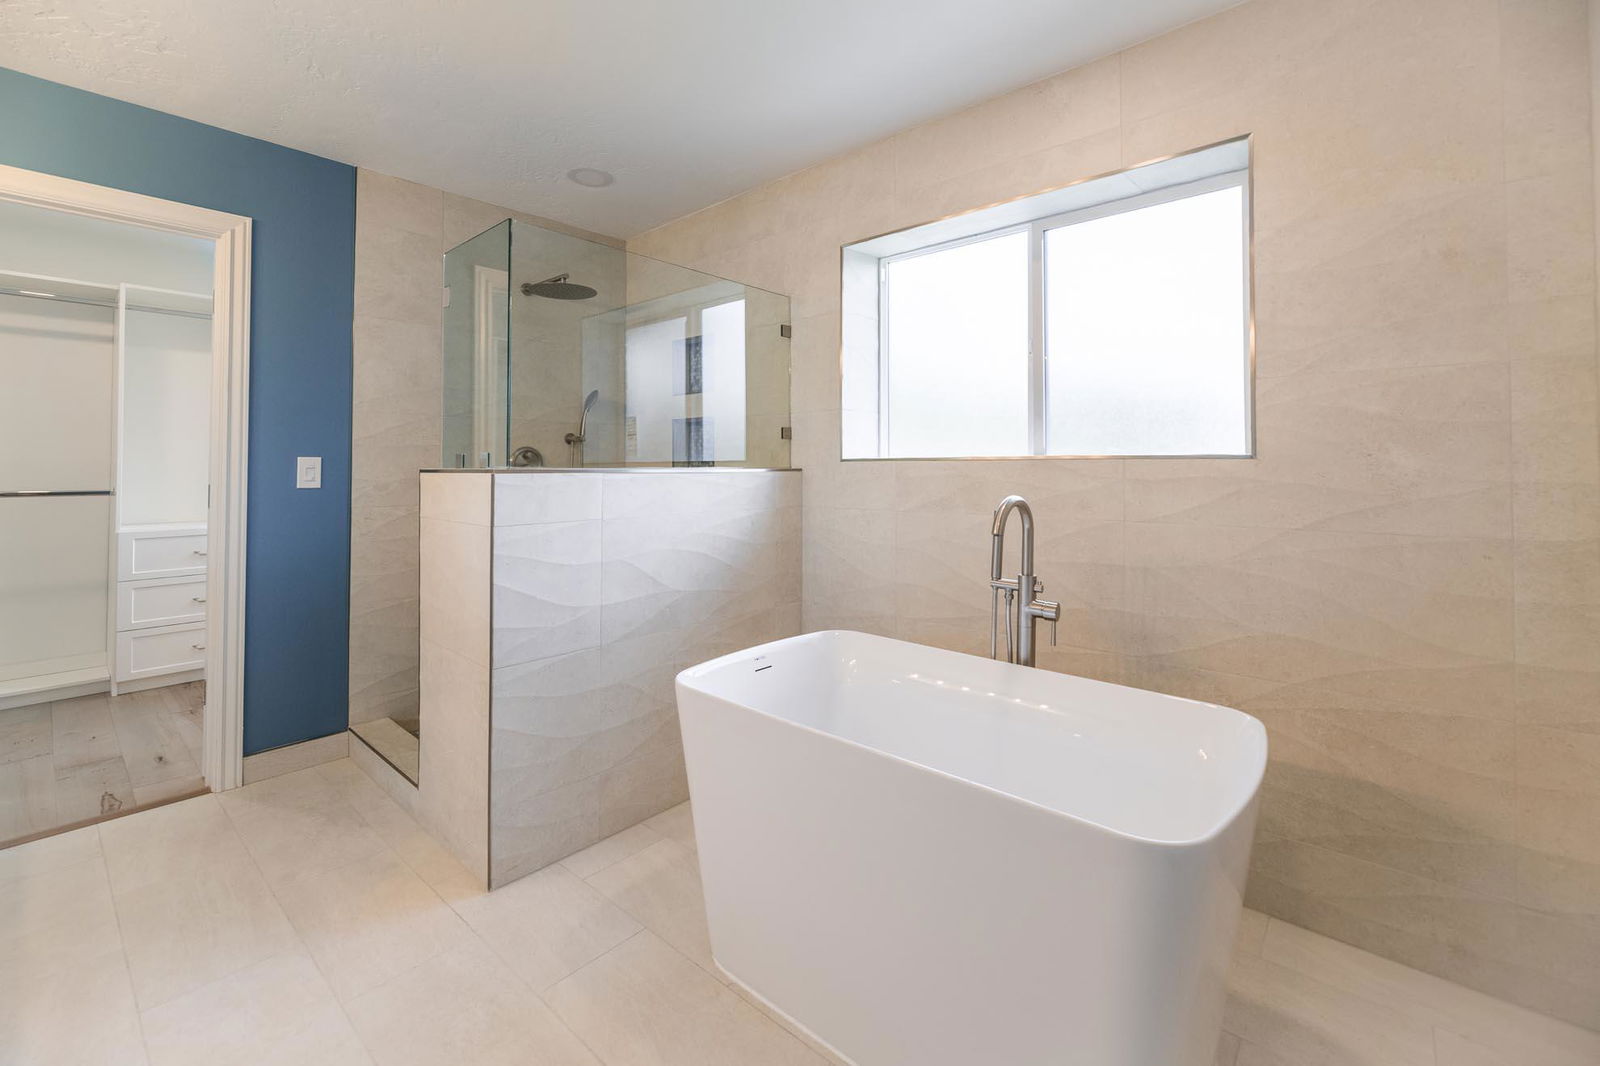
x=575, y=440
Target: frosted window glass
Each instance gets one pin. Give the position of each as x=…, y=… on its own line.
x=958, y=350
x=1144, y=331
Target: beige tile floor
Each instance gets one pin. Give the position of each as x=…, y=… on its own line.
x=307, y=919
x=71, y=760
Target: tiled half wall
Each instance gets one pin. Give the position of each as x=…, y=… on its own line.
x=556, y=610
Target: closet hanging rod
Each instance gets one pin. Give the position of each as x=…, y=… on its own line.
x=56, y=492
x=53, y=298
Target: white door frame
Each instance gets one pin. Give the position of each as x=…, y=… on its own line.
x=222, y=759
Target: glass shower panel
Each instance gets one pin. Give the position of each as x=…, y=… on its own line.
x=720, y=380
x=688, y=345
x=618, y=359
x=684, y=400
x=567, y=352
x=564, y=347
x=653, y=398
x=477, y=337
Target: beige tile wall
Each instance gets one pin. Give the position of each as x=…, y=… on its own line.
x=402, y=231
x=1405, y=585
x=456, y=549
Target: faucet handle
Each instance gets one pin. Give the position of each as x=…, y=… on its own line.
x=1050, y=611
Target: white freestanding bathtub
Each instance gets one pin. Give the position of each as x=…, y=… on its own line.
x=924, y=858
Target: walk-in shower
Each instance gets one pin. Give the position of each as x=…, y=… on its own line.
x=546, y=702
x=564, y=351
x=559, y=353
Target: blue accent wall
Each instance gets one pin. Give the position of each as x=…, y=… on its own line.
x=297, y=596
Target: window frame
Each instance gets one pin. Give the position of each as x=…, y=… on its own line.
x=1038, y=361
x=883, y=313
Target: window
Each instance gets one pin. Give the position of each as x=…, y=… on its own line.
x=955, y=328
x=1110, y=318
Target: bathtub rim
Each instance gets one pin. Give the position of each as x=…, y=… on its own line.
x=686, y=680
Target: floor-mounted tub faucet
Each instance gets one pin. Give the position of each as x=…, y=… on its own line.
x=1022, y=611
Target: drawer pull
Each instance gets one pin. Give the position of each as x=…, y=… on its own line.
x=200, y=553
x=198, y=647
x=198, y=599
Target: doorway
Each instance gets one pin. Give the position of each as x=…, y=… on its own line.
x=123, y=349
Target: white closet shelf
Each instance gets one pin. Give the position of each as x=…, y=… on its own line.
x=162, y=527
x=77, y=290
x=16, y=282
x=28, y=686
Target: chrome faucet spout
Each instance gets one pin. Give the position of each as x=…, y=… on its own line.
x=1002, y=516
x=1023, y=608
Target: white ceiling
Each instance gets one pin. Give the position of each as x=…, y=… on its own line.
x=687, y=102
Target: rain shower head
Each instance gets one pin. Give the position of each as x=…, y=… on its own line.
x=558, y=288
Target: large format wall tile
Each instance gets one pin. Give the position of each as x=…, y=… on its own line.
x=547, y=590
x=1415, y=450
x=606, y=585
x=453, y=776
x=1404, y=583
x=562, y=719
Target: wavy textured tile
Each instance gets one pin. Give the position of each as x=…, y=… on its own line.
x=593, y=620
x=547, y=590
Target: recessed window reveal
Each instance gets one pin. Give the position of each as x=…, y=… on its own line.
x=1107, y=318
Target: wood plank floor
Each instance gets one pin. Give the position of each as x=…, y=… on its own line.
x=71, y=760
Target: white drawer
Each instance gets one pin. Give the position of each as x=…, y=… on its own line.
x=160, y=553
x=148, y=652
x=163, y=601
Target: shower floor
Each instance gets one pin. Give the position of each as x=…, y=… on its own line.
x=69, y=761
x=396, y=740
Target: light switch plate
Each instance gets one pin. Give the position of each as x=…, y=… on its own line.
x=308, y=472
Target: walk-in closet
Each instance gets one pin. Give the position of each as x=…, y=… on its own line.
x=105, y=371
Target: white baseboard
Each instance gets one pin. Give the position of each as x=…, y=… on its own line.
x=142, y=684
x=77, y=683
x=60, y=692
